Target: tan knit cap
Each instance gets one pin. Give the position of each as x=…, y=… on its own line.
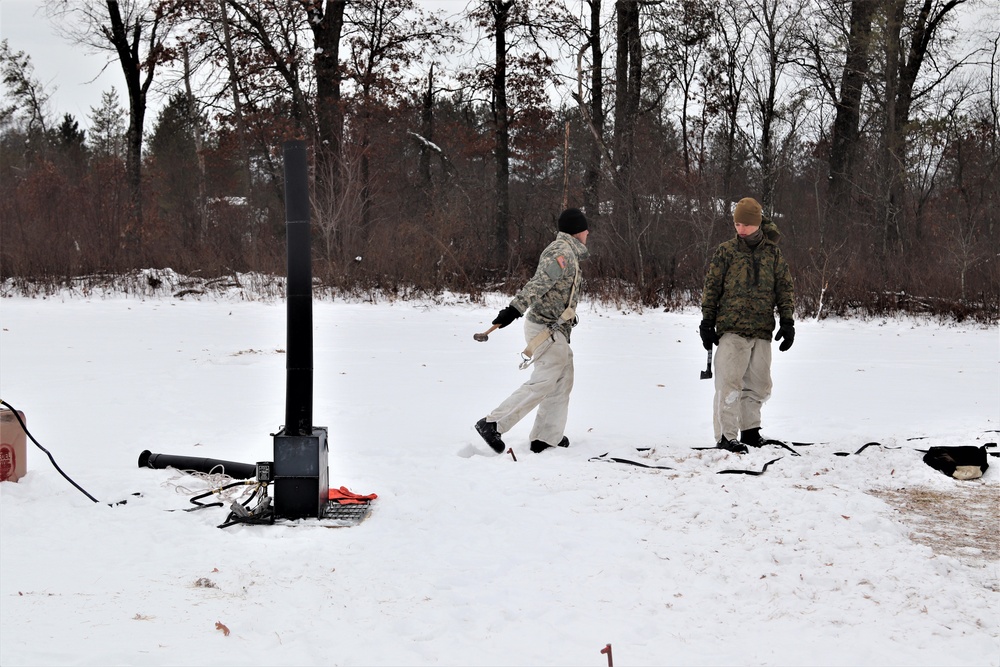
x=747, y=212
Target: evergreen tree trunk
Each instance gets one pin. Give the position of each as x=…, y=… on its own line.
x=195, y=116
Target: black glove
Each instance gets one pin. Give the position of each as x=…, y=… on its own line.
x=786, y=331
x=506, y=316
x=707, y=332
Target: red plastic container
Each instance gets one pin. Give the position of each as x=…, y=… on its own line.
x=13, y=447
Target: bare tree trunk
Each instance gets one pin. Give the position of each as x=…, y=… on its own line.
x=366, y=168
x=768, y=106
x=729, y=24
x=777, y=20
x=891, y=147
x=241, y=132
x=592, y=176
x=326, y=20
x=279, y=49
x=686, y=41
x=128, y=57
x=628, y=70
x=501, y=118
x=846, y=123
x=903, y=63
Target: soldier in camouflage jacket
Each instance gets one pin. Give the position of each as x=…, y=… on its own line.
x=550, y=300
x=747, y=280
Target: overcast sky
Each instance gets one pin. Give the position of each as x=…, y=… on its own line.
x=71, y=76
x=75, y=78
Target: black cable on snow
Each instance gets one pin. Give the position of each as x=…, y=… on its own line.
x=47, y=452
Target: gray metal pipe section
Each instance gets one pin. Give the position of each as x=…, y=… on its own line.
x=234, y=469
x=298, y=356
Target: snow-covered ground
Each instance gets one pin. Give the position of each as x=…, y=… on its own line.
x=469, y=558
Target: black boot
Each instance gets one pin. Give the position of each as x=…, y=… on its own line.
x=489, y=433
x=734, y=446
x=539, y=446
x=751, y=437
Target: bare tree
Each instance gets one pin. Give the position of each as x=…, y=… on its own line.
x=246, y=178
x=326, y=20
x=254, y=67
x=909, y=41
x=520, y=69
x=726, y=78
x=628, y=226
x=686, y=27
x=387, y=37
x=595, y=116
x=628, y=87
x=776, y=24
x=847, y=122
x=26, y=94
x=136, y=32
x=500, y=12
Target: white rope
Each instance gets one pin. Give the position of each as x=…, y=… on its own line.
x=209, y=482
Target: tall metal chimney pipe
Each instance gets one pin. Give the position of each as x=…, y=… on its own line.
x=298, y=356
x=301, y=476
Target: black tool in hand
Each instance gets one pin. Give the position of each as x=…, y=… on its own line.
x=707, y=373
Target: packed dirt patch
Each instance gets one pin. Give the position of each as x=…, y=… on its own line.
x=961, y=522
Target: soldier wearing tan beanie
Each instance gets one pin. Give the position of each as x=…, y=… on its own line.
x=747, y=212
x=746, y=282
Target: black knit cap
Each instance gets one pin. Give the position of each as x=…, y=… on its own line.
x=572, y=221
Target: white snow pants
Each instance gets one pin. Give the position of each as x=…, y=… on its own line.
x=548, y=389
x=742, y=384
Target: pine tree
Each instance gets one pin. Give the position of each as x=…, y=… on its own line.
x=107, y=127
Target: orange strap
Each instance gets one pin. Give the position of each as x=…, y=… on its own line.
x=346, y=497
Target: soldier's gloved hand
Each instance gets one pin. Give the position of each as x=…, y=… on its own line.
x=707, y=332
x=506, y=316
x=786, y=334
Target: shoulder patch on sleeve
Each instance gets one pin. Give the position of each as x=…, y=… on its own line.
x=555, y=267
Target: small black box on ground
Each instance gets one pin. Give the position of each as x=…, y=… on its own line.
x=301, y=475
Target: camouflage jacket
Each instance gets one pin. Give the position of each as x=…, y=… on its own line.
x=744, y=285
x=547, y=294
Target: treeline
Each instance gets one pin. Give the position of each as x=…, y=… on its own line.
x=444, y=148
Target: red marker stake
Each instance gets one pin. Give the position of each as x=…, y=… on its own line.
x=607, y=649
